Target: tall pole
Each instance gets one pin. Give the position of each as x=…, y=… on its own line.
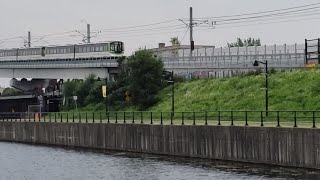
x=267, y=96
x=88, y=33
x=107, y=101
x=172, y=97
x=191, y=32
x=29, y=39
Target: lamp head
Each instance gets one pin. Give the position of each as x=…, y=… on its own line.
x=256, y=63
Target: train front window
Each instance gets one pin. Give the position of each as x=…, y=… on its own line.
x=116, y=47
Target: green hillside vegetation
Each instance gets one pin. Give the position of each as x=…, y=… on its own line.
x=296, y=90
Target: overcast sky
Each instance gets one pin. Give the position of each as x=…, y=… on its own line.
x=48, y=17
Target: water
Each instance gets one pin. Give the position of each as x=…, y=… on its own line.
x=19, y=161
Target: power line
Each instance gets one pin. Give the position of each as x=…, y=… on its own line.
x=245, y=25
x=271, y=18
x=185, y=33
x=261, y=12
x=266, y=15
x=134, y=30
x=144, y=25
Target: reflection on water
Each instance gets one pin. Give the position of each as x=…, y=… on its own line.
x=19, y=161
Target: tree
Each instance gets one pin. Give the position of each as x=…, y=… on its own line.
x=11, y=92
x=175, y=41
x=246, y=42
x=144, y=75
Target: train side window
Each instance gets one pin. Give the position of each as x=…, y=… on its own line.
x=43, y=51
x=112, y=47
x=88, y=49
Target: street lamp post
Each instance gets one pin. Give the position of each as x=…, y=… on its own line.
x=172, y=98
x=172, y=90
x=256, y=63
x=107, y=100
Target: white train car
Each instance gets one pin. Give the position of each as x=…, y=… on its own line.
x=78, y=51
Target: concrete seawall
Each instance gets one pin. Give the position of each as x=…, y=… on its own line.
x=282, y=146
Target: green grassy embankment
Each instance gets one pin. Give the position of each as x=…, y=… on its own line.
x=296, y=90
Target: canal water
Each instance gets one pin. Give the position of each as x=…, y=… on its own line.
x=20, y=161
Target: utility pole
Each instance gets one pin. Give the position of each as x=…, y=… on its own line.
x=88, y=33
x=29, y=39
x=191, y=32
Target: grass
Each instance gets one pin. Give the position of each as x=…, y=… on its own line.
x=296, y=90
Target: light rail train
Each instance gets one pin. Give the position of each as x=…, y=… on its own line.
x=107, y=50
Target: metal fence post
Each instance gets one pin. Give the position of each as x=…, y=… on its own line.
x=60, y=117
x=246, y=118
x=67, y=117
x=79, y=117
x=141, y=117
x=116, y=117
x=151, y=121
x=295, y=119
x=232, y=118
x=132, y=117
x=73, y=117
x=182, y=118
x=278, y=118
x=171, y=119
x=206, y=118
x=92, y=117
x=219, y=118
x=108, y=117
x=314, y=119
x=261, y=117
x=194, y=118
x=86, y=117
x=100, y=117
x=124, y=117
x=161, y=118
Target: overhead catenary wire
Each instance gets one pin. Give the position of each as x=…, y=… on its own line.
x=260, y=12
x=144, y=25
x=264, y=15
x=289, y=17
x=245, y=25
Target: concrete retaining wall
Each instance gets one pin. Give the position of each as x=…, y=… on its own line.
x=281, y=146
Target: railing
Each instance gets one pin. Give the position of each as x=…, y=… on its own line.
x=305, y=119
x=59, y=64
